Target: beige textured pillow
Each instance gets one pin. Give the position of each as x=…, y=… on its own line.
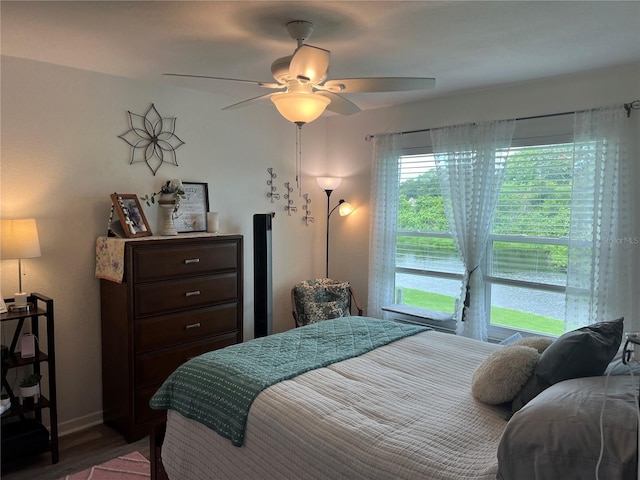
x=501, y=376
x=539, y=343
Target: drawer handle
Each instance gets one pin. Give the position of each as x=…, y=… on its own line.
x=191, y=260
x=193, y=325
x=192, y=294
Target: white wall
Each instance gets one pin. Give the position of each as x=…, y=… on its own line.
x=61, y=158
x=350, y=155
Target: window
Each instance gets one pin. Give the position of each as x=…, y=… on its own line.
x=526, y=258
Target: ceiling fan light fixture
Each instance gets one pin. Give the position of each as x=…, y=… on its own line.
x=300, y=108
x=305, y=92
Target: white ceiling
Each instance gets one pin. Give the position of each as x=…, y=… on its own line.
x=464, y=45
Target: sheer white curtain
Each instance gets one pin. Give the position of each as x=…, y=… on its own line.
x=600, y=242
x=383, y=224
x=470, y=161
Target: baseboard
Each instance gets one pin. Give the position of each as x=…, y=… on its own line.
x=80, y=423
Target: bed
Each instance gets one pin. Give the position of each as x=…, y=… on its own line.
x=402, y=409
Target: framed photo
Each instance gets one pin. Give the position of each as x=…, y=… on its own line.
x=192, y=213
x=132, y=219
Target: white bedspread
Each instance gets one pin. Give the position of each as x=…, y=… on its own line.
x=402, y=411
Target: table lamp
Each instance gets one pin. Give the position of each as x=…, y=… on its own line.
x=20, y=240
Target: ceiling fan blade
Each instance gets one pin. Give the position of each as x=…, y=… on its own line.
x=339, y=104
x=249, y=101
x=254, y=82
x=309, y=64
x=380, y=84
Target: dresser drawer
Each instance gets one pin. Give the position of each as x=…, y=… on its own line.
x=174, y=261
x=169, y=330
x=173, y=295
x=154, y=367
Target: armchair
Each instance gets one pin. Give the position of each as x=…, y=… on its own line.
x=322, y=299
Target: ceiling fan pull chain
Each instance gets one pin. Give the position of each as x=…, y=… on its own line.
x=299, y=159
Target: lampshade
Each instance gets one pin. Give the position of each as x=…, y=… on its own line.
x=20, y=239
x=300, y=108
x=345, y=209
x=329, y=183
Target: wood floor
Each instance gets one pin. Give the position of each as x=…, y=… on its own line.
x=78, y=452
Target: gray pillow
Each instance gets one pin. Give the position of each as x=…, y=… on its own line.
x=584, y=352
x=557, y=434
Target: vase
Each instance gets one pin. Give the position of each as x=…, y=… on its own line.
x=166, y=218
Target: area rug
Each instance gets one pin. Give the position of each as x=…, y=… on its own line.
x=133, y=466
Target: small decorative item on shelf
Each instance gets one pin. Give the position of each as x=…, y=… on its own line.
x=194, y=206
x=30, y=387
x=213, y=225
x=171, y=192
x=169, y=198
x=133, y=223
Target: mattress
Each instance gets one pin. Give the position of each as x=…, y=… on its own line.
x=401, y=411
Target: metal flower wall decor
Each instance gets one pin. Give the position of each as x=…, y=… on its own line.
x=152, y=139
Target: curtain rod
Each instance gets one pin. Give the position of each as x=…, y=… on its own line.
x=635, y=105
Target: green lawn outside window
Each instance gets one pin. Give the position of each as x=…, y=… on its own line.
x=499, y=316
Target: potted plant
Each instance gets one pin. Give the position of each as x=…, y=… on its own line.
x=171, y=192
x=30, y=387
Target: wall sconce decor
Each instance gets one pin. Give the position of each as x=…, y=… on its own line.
x=287, y=196
x=307, y=218
x=20, y=240
x=152, y=139
x=272, y=188
x=329, y=184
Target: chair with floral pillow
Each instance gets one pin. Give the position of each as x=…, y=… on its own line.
x=322, y=299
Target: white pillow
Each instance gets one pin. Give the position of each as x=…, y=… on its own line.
x=501, y=376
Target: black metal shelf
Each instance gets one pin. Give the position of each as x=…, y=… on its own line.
x=22, y=429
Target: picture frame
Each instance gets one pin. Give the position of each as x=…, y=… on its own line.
x=132, y=219
x=3, y=306
x=192, y=213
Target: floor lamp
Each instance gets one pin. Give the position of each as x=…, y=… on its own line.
x=329, y=184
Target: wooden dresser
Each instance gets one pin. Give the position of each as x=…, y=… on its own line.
x=179, y=297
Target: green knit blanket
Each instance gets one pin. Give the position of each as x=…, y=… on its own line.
x=218, y=387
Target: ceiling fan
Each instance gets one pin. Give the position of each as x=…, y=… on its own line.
x=302, y=89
